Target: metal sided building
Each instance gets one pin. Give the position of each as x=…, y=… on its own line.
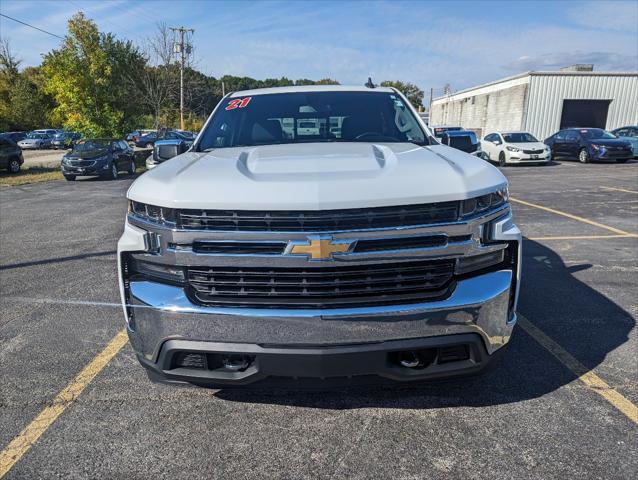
x=543, y=103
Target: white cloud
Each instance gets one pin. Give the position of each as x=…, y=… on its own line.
x=606, y=15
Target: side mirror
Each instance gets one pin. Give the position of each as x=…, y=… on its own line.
x=167, y=149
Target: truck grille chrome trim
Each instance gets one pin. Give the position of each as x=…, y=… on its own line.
x=318, y=221
x=468, y=293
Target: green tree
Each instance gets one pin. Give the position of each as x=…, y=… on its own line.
x=411, y=91
x=23, y=103
x=31, y=107
x=89, y=80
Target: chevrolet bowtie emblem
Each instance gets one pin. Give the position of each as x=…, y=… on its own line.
x=319, y=247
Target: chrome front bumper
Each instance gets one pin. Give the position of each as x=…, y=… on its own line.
x=478, y=305
x=482, y=306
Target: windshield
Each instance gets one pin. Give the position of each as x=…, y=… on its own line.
x=521, y=137
x=311, y=117
x=87, y=145
x=594, y=133
x=36, y=135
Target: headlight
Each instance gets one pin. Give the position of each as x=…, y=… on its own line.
x=65, y=160
x=152, y=213
x=486, y=202
x=513, y=149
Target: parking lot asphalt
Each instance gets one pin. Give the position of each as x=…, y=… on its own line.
x=530, y=417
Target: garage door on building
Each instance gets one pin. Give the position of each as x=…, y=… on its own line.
x=584, y=113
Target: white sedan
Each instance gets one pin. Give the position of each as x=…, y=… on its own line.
x=515, y=147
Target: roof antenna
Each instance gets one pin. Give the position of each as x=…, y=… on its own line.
x=369, y=83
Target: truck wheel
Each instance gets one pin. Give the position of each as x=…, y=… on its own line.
x=583, y=156
x=131, y=168
x=14, y=166
x=70, y=178
x=501, y=160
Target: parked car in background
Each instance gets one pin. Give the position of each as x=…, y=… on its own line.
x=35, y=140
x=629, y=134
x=136, y=134
x=65, y=139
x=589, y=144
x=10, y=155
x=102, y=157
x=441, y=129
x=186, y=134
x=49, y=131
x=463, y=140
x=146, y=141
x=15, y=137
x=515, y=147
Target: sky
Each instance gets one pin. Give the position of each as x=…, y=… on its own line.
x=429, y=43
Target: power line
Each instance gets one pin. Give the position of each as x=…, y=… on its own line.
x=28, y=25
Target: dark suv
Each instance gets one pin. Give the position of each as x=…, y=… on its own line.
x=98, y=157
x=15, y=137
x=463, y=140
x=10, y=155
x=588, y=144
x=65, y=139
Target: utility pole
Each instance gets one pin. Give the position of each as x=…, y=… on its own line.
x=183, y=49
x=430, y=106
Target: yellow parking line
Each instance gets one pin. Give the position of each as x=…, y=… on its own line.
x=574, y=217
x=580, y=237
x=619, y=189
x=585, y=375
x=32, y=432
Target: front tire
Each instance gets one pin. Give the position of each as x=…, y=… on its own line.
x=501, y=160
x=131, y=168
x=14, y=166
x=70, y=178
x=583, y=156
x=113, y=174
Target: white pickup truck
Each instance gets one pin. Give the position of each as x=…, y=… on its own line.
x=363, y=253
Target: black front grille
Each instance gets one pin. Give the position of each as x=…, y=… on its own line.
x=533, y=152
x=321, y=287
x=240, y=248
x=320, y=220
x=82, y=163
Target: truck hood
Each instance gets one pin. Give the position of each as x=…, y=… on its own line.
x=316, y=176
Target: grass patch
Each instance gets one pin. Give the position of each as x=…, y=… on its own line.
x=30, y=175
